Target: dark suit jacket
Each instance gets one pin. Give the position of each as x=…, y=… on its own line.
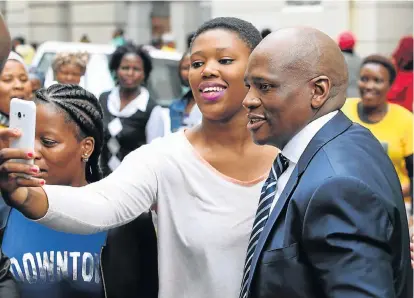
x=339, y=228
x=8, y=287
x=129, y=260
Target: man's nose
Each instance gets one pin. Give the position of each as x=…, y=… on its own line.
x=251, y=102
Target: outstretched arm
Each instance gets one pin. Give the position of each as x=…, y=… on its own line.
x=119, y=198
x=116, y=200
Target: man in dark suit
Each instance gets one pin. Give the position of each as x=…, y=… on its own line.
x=331, y=220
x=8, y=288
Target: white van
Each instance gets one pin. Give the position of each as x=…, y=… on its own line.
x=164, y=84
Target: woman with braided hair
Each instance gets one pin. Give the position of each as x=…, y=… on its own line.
x=47, y=263
x=53, y=264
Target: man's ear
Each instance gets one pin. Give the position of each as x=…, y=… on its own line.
x=321, y=88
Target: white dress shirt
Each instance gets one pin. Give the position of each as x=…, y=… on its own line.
x=295, y=148
x=155, y=125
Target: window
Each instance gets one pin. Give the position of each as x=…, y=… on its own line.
x=302, y=6
x=164, y=83
x=303, y=2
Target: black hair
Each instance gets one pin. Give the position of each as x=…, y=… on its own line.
x=186, y=53
x=121, y=51
x=20, y=39
x=189, y=39
x=119, y=31
x=245, y=30
x=265, y=32
x=384, y=61
x=349, y=51
x=156, y=42
x=34, y=45
x=83, y=109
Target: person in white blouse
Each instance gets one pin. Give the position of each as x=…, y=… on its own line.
x=206, y=181
x=131, y=117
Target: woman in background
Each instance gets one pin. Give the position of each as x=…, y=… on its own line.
x=37, y=80
x=14, y=82
x=391, y=124
x=69, y=68
x=131, y=117
x=184, y=112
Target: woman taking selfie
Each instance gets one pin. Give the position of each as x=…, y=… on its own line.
x=206, y=180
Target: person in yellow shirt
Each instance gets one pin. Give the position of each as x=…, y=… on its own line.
x=391, y=124
x=168, y=43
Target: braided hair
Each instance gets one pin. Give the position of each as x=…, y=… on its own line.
x=82, y=108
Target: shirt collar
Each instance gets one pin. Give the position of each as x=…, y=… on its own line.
x=297, y=145
x=139, y=103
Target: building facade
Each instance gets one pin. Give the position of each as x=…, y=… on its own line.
x=378, y=25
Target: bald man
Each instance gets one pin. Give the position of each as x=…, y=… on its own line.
x=331, y=220
x=8, y=287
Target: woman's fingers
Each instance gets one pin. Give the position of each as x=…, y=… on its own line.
x=30, y=182
x=9, y=133
x=6, y=135
x=18, y=168
x=12, y=153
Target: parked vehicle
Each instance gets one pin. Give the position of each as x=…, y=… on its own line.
x=164, y=84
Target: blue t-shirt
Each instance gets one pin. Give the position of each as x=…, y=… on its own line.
x=52, y=264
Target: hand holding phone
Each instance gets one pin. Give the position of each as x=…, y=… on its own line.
x=23, y=118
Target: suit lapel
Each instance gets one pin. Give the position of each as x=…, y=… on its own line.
x=329, y=131
x=281, y=202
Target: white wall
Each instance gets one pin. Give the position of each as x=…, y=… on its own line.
x=331, y=17
x=187, y=16
x=378, y=25
x=98, y=20
x=17, y=16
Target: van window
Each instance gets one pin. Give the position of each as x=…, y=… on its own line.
x=164, y=84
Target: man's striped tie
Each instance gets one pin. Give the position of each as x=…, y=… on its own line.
x=266, y=198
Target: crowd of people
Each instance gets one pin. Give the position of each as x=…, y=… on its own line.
x=304, y=197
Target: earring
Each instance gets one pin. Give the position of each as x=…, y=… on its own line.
x=85, y=158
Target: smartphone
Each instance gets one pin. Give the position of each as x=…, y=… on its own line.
x=23, y=117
